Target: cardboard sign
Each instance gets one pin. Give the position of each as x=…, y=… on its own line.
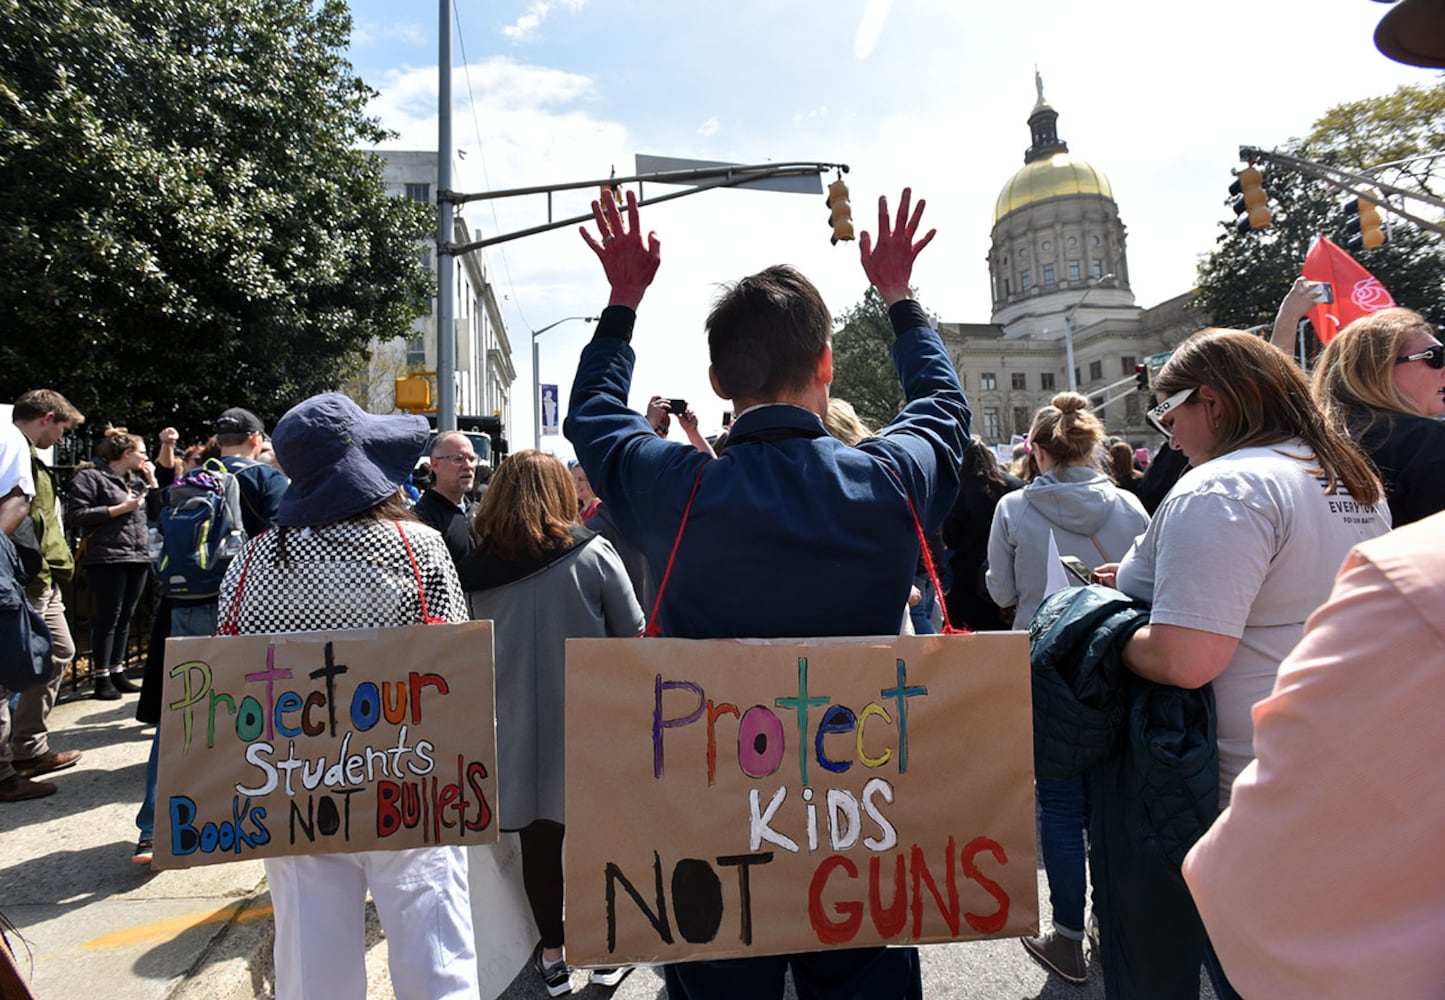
x=326, y=743
x=731, y=798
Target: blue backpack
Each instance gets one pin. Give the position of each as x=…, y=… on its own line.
x=24, y=639
x=200, y=531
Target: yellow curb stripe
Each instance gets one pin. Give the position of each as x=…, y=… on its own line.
x=166, y=929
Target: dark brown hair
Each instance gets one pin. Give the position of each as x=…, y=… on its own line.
x=36, y=403
x=766, y=332
x=117, y=443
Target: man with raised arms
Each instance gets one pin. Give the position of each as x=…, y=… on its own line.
x=790, y=532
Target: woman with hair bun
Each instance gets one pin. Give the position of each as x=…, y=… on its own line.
x=107, y=503
x=1381, y=380
x=1085, y=515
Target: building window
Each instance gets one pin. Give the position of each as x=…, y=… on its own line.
x=1023, y=253
x=1073, y=270
x=1131, y=408
x=1046, y=245
x=1098, y=268
x=1096, y=370
x=1046, y=381
x=1048, y=274
x=416, y=351
x=1019, y=380
x=1022, y=420
x=987, y=381
x=1128, y=363
x=419, y=192
x=1006, y=289
x=426, y=259
x=991, y=429
x=1073, y=241
x=1024, y=281
x=1077, y=379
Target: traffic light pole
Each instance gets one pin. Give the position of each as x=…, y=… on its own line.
x=701, y=179
x=1359, y=185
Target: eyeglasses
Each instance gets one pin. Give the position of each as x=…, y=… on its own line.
x=1156, y=414
x=457, y=459
x=1434, y=356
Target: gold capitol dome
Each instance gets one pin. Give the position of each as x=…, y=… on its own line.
x=1048, y=171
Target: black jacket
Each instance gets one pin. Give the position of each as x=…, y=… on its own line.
x=107, y=539
x=446, y=517
x=1409, y=452
x=1153, y=762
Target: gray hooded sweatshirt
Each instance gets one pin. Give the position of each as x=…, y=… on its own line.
x=1080, y=506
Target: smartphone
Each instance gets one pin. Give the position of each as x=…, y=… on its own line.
x=1077, y=569
x=1321, y=291
x=677, y=407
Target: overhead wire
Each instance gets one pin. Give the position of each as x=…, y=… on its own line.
x=481, y=154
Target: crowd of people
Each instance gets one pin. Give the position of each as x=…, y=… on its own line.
x=1216, y=560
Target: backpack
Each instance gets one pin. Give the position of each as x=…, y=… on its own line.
x=24, y=639
x=200, y=532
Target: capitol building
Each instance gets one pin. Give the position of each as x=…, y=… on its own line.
x=1059, y=276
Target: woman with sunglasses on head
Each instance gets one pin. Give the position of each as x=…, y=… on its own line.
x=1382, y=381
x=1247, y=544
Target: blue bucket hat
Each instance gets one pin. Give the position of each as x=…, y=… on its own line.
x=341, y=459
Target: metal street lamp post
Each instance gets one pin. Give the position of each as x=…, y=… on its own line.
x=1069, y=329
x=537, y=378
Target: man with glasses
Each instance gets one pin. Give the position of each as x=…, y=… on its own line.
x=444, y=505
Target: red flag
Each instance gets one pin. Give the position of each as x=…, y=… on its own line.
x=1356, y=292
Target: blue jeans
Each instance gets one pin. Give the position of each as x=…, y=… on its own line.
x=186, y=619
x=1063, y=817
x=194, y=619
x=145, y=820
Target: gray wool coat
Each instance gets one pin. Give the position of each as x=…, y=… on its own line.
x=585, y=594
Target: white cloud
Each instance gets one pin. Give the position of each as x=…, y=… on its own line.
x=804, y=116
x=526, y=26
x=708, y=127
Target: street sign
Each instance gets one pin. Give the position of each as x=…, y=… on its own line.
x=550, y=409
x=802, y=184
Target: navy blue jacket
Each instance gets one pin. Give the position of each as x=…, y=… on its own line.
x=792, y=533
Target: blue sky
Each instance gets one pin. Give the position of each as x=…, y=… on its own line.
x=932, y=93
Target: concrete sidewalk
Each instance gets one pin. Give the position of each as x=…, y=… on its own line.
x=94, y=921
x=98, y=925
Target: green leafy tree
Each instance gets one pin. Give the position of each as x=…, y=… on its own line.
x=863, y=362
x=186, y=222
x=1243, y=281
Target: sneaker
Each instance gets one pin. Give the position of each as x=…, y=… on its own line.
x=557, y=978
x=1061, y=954
x=144, y=851
x=18, y=788
x=611, y=976
x=50, y=760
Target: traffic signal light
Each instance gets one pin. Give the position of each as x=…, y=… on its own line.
x=1141, y=377
x=840, y=213
x=1362, y=223
x=1247, y=198
x=413, y=394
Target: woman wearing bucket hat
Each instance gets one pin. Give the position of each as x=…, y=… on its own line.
x=347, y=553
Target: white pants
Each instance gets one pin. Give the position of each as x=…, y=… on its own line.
x=422, y=899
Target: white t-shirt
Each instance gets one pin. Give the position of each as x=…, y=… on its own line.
x=15, y=461
x=1247, y=545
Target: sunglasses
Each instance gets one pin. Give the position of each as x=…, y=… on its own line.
x=1156, y=414
x=1434, y=356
